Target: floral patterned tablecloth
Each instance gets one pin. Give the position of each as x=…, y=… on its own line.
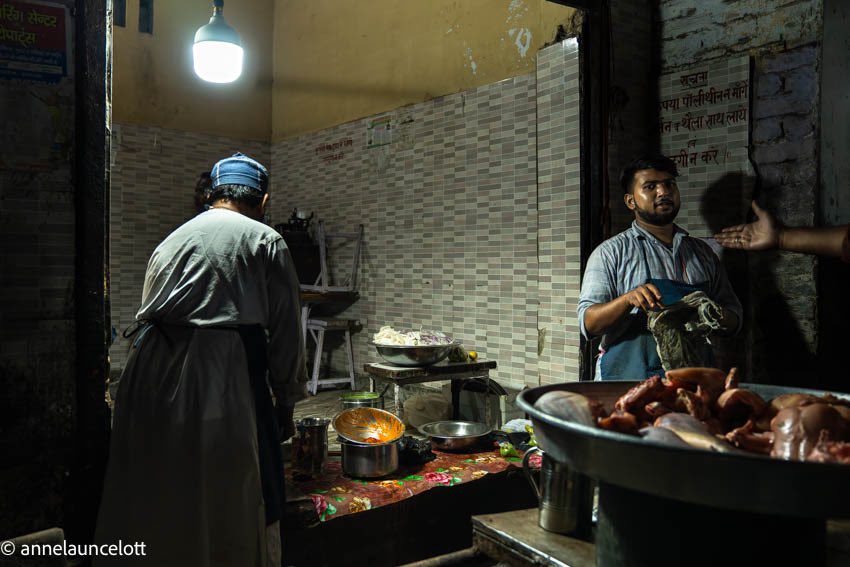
x=335, y=495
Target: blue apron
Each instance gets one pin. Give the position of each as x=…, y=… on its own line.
x=634, y=355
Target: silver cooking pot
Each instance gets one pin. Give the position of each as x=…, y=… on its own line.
x=369, y=460
x=459, y=436
x=361, y=400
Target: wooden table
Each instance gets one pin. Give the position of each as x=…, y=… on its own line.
x=456, y=372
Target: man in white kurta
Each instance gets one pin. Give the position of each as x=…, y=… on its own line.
x=184, y=473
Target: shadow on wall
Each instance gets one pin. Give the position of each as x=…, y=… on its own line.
x=834, y=315
x=771, y=347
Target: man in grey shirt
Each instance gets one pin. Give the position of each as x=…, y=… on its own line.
x=653, y=264
x=195, y=468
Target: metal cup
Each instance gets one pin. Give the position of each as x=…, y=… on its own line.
x=563, y=495
x=310, y=445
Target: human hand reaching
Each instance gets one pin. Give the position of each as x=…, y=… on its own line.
x=761, y=234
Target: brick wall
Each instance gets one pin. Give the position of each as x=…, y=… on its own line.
x=778, y=290
x=783, y=290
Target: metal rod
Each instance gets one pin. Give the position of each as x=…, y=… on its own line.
x=454, y=558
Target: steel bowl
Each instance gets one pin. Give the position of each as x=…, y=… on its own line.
x=365, y=460
x=455, y=435
x=368, y=426
x=419, y=355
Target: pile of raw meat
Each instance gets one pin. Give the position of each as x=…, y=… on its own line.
x=704, y=407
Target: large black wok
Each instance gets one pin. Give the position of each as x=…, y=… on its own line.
x=664, y=506
x=748, y=482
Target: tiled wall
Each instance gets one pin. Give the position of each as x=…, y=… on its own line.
x=558, y=186
x=457, y=236
x=471, y=215
x=153, y=180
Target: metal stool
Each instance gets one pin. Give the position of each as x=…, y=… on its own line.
x=317, y=327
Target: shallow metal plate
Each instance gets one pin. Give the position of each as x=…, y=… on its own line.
x=449, y=429
x=753, y=483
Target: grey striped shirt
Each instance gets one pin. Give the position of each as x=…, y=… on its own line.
x=617, y=266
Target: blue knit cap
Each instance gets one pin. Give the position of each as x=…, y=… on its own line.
x=239, y=169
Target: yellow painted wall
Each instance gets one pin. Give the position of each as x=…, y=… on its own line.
x=339, y=60
x=333, y=61
x=154, y=83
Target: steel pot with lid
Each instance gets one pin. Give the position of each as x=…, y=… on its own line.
x=359, y=399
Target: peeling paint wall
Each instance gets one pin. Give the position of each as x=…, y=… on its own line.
x=312, y=65
x=336, y=61
x=694, y=31
x=154, y=83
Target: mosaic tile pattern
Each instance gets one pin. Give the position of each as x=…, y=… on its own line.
x=471, y=214
x=452, y=226
x=450, y=219
x=153, y=179
x=558, y=186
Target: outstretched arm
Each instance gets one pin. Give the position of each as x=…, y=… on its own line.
x=826, y=241
x=765, y=233
x=761, y=234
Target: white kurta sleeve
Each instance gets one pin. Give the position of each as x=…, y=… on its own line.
x=287, y=369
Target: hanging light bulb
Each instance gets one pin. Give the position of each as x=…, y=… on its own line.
x=217, y=50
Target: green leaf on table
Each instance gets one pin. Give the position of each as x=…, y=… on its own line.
x=513, y=459
x=339, y=498
x=441, y=470
x=413, y=477
x=330, y=511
